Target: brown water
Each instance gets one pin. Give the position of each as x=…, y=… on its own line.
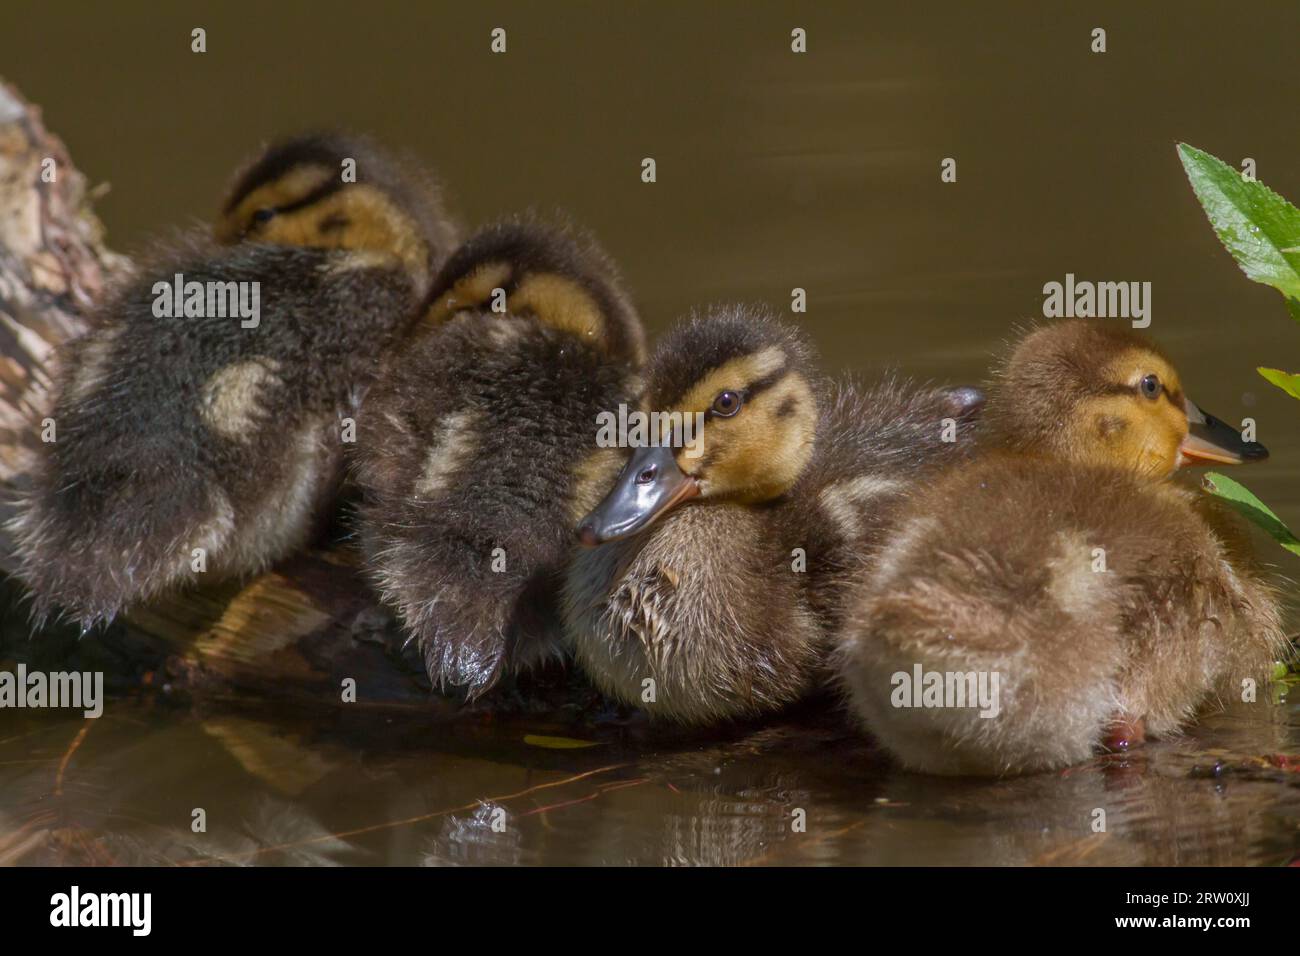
x=774, y=171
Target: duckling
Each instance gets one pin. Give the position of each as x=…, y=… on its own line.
x=479, y=450
x=1090, y=599
x=714, y=570
x=196, y=427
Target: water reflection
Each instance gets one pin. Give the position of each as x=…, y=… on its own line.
x=379, y=789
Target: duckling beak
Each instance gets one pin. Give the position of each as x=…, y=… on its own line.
x=1211, y=440
x=650, y=485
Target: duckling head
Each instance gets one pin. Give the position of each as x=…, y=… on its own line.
x=551, y=271
x=334, y=191
x=736, y=410
x=1097, y=393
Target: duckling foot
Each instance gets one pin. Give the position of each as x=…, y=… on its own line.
x=464, y=644
x=471, y=662
x=1124, y=733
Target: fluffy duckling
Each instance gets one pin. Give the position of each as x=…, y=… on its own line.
x=197, y=425
x=1108, y=602
x=478, y=452
x=714, y=571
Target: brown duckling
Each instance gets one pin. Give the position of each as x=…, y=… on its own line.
x=479, y=452
x=199, y=424
x=715, y=567
x=1058, y=593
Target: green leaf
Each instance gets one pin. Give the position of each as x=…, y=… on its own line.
x=1241, y=500
x=1284, y=380
x=1255, y=224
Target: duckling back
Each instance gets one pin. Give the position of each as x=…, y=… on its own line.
x=478, y=452
x=198, y=425
x=1100, y=603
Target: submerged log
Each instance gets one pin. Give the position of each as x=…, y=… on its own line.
x=295, y=632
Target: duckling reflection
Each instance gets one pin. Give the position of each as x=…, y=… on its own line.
x=711, y=583
x=204, y=445
x=1110, y=602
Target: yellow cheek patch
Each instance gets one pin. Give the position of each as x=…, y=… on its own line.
x=469, y=292
x=356, y=217
x=561, y=303
x=1166, y=438
x=760, y=453
x=292, y=186
x=1127, y=432
x=370, y=221
x=551, y=299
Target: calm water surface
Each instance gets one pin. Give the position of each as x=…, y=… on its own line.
x=775, y=171
x=281, y=788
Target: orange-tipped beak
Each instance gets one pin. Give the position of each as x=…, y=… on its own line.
x=1210, y=440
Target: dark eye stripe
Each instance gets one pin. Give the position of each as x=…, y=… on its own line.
x=1129, y=389
x=766, y=382
x=756, y=388
x=747, y=394
x=1174, y=398
x=327, y=188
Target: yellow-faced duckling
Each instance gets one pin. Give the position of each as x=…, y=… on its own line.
x=197, y=426
x=715, y=567
x=478, y=452
x=1058, y=595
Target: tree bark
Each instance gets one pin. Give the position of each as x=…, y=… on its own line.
x=53, y=267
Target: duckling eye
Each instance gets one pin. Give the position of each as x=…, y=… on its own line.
x=263, y=215
x=727, y=404
x=1150, y=386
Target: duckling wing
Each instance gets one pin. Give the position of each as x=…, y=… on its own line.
x=474, y=455
x=876, y=446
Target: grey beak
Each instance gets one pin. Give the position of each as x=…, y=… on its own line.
x=649, y=485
